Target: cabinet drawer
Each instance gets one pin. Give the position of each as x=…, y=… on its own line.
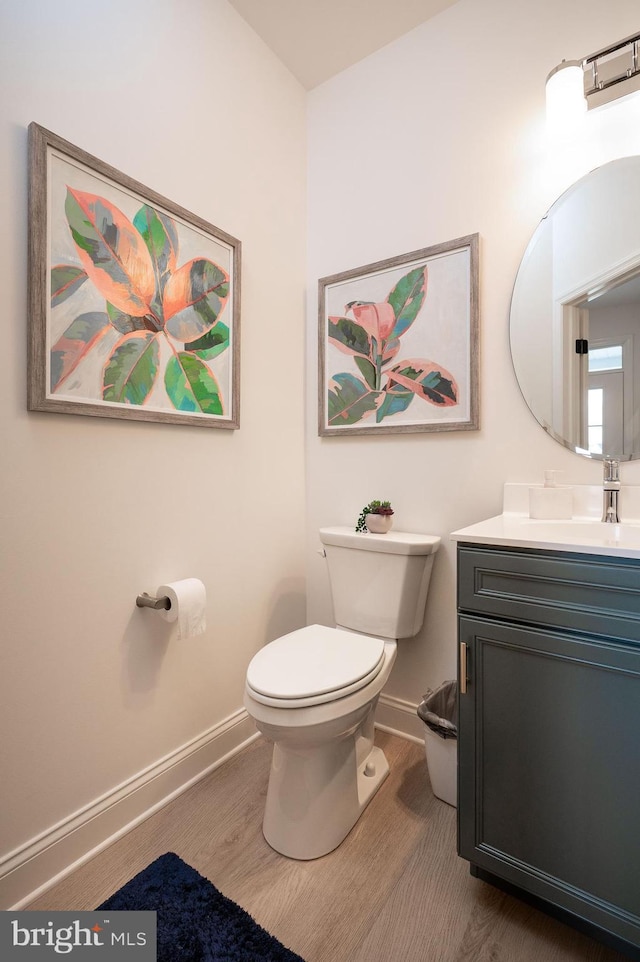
x=583, y=593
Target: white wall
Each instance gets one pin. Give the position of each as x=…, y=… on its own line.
x=439, y=135
x=182, y=96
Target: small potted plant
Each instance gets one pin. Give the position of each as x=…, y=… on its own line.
x=376, y=517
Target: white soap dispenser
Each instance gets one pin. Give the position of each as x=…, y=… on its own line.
x=551, y=502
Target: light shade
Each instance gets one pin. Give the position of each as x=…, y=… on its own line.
x=566, y=102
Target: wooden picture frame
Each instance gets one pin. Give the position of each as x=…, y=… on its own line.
x=398, y=344
x=134, y=302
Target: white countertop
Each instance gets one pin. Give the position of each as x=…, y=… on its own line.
x=586, y=537
x=585, y=534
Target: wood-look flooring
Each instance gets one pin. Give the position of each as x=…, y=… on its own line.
x=394, y=891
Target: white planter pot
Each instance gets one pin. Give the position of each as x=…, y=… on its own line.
x=379, y=523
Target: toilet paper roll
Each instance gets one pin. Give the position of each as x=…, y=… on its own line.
x=188, y=606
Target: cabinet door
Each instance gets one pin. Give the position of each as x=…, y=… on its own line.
x=549, y=768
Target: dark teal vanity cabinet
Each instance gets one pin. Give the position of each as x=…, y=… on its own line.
x=549, y=731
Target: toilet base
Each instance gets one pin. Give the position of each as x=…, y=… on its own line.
x=314, y=800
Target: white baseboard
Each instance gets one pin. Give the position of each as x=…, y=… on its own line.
x=38, y=864
x=399, y=718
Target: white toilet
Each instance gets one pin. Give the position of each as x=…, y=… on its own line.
x=314, y=691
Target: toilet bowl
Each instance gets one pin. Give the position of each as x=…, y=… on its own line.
x=325, y=768
x=313, y=692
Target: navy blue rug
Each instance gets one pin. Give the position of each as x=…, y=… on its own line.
x=196, y=923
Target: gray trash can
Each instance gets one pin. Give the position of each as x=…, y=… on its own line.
x=438, y=713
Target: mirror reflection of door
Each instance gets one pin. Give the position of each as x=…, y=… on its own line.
x=599, y=386
x=605, y=406
x=614, y=363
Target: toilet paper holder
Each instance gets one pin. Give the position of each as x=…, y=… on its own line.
x=148, y=601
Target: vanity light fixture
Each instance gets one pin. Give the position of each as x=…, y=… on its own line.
x=578, y=85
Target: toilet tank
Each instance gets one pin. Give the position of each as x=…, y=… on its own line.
x=379, y=582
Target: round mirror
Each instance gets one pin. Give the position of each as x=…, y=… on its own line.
x=575, y=315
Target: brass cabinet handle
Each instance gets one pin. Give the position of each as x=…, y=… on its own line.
x=463, y=668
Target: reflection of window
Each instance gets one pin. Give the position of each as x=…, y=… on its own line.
x=595, y=417
x=605, y=358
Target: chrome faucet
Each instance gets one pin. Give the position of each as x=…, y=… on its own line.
x=611, y=490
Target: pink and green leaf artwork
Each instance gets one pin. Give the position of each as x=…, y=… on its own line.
x=137, y=320
x=384, y=383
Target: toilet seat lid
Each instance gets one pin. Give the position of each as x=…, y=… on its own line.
x=315, y=661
